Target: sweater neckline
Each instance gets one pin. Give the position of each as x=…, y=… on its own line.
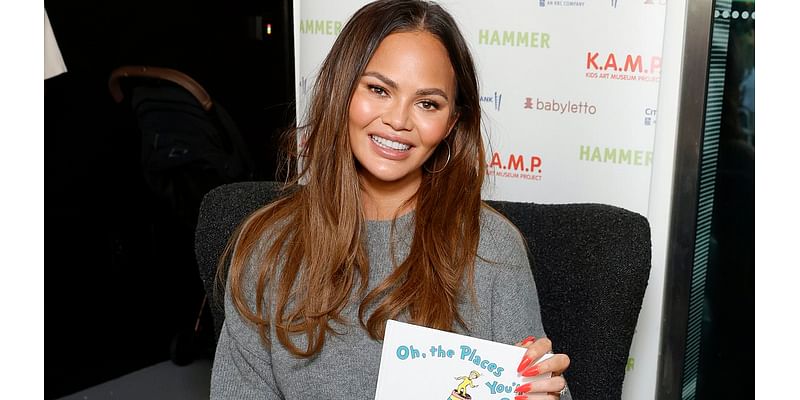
x=382, y=228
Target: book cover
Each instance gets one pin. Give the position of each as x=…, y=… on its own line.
x=424, y=363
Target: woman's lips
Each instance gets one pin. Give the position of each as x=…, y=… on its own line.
x=391, y=149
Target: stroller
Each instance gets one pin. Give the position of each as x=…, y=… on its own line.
x=189, y=145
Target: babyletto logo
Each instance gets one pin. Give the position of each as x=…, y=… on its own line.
x=560, y=107
x=561, y=3
x=625, y=67
x=515, y=166
x=642, y=158
x=649, y=116
x=494, y=100
x=490, y=37
x=320, y=27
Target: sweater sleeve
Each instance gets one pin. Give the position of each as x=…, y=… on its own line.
x=515, y=301
x=239, y=372
x=242, y=364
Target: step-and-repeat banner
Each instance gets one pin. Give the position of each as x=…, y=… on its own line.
x=569, y=91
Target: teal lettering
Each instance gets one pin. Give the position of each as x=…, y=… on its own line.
x=402, y=352
x=498, y=372
x=496, y=387
x=465, y=351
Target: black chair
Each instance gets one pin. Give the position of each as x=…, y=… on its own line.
x=591, y=263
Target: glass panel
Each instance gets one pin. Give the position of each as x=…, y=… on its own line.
x=720, y=352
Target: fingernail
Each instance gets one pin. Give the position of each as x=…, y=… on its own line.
x=529, y=339
x=520, y=397
x=523, y=389
x=532, y=371
x=524, y=363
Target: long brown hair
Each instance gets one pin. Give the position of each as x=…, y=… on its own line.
x=308, y=247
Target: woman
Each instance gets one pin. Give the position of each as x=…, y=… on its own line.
x=387, y=224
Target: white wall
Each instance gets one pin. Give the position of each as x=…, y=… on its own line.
x=600, y=143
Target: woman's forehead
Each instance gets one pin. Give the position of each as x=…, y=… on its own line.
x=414, y=60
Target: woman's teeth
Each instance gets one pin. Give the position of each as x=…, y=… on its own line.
x=389, y=144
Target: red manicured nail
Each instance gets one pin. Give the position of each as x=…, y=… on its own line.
x=524, y=363
x=520, y=397
x=529, y=339
x=523, y=388
x=532, y=371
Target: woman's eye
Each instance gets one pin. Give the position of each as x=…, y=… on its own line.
x=428, y=105
x=377, y=90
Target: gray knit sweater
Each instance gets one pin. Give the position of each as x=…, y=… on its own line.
x=507, y=311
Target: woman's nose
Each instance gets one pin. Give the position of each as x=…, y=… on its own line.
x=397, y=116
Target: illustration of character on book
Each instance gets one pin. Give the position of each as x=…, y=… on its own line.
x=460, y=392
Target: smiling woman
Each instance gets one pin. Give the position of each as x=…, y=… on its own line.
x=399, y=114
x=383, y=221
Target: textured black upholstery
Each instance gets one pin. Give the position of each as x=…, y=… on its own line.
x=591, y=263
x=221, y=211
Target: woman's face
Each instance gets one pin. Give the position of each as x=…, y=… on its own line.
x=401, y=109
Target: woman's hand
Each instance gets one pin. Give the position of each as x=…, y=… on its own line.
x=545, y=389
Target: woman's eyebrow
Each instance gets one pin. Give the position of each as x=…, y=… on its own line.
x=432, y=91
x=392, y=84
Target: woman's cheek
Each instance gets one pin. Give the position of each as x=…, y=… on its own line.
x=433, y=131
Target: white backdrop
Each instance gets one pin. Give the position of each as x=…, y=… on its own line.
x=569, y=91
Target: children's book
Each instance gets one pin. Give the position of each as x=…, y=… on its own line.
x=425, y=363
